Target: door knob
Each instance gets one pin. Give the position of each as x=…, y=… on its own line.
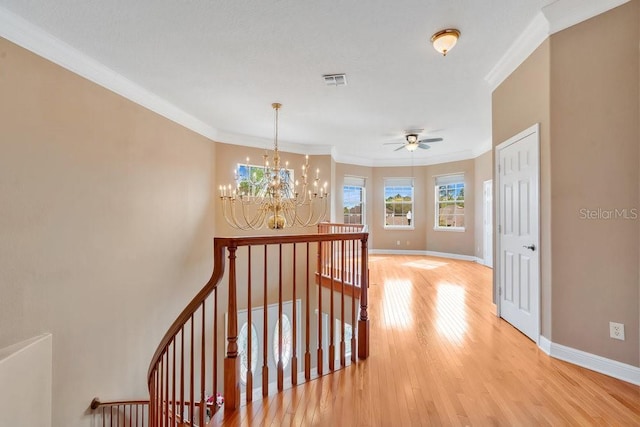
x=531, y=247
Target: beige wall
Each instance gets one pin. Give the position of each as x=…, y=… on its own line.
x=483, y=167
x=519, y=102
x=106, y=222
x=594, y=165
x=584, y=92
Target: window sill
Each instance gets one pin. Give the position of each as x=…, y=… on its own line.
x=399, y=227
x=455, y=229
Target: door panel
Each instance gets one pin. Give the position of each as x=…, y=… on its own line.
x=518, y=216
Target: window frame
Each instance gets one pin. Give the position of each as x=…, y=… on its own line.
x=446, y=181
x=355, y=182
x=398, y=182
x=286, y=174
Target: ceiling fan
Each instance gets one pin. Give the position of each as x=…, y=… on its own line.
x=413, y=143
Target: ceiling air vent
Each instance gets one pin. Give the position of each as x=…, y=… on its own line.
x=335, y=79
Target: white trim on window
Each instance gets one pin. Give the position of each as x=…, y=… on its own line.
x=404, y=187
x=455, y=185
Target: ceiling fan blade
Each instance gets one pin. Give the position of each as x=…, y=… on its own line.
x=393, y=143
x=423, y=146
x=431, y=140
x=399, y=148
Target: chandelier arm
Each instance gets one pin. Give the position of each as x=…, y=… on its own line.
x=228, y=205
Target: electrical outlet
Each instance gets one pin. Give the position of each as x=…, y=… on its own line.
x=616, y=331
x=408, y=242
x=397, y=242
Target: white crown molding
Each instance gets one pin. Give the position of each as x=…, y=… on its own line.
x=265, y=143
x=30, y=37
x=554, y=17
x=523, y=46
x=425, y=161
x=482, y=149
x=566, y=13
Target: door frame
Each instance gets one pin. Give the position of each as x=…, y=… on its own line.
x=535, y=129
x=488, y=184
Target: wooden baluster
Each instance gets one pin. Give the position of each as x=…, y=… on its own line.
x=280, y=341
x=307, y=349
x=353, y=302
x=342, y=268
x=332, y=316
x=173, y=386
x=363, y=322
x=203, y=367
x=152, y=392
x=294, y=348
x=265, y=367
x=162, y=402
x=166, y=393
x=192, y=379
x=182, y=374
x=320, y=270
x=215, y=344
x=232, y=362
x=250, y=344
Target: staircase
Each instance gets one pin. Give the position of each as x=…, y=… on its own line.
x=277, y=311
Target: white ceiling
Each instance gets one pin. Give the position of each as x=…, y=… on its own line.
x=216, y=66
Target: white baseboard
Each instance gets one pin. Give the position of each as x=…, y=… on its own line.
x=613, y=368
x=545, y=345
x=427, y=253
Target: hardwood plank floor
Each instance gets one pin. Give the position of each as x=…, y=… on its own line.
x=440, y=357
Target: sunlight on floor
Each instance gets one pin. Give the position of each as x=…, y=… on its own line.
x=425, y=264
x=396, y=302
x=451, y=311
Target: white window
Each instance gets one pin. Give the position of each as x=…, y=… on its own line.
x=449, y=202
x=251, y=180
x=353, y=200
x=398, y=203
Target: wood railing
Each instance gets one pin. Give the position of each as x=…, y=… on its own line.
x=346, y=256
x=125, y=413
x=268, y=281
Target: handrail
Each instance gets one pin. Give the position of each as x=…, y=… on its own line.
x=120, y=413
x=183, y=317
x=161, y=376
x=96, y=403
x=219, y=245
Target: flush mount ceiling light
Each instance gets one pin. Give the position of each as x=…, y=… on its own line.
x=443, y=41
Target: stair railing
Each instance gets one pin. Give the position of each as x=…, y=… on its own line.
x=124, y=413
x=264, y=280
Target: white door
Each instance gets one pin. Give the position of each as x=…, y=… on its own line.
x=488, y=223
x=518, y=262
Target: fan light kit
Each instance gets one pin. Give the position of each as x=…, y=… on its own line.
x=443, y=41
x=413, y=142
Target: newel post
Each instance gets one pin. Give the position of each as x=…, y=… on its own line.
x=363, y=321
x=232, y=362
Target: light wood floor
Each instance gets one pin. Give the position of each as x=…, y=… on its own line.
x=440, y=356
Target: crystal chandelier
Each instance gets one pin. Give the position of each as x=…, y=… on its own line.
x=266, y=195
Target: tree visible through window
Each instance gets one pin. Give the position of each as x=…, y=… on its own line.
x=250, y=180
x=353, y=200
x=398, y=201
x=450, y=202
